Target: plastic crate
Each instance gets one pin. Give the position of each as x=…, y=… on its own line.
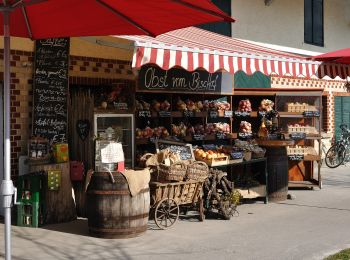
x=29, y=188
x=30, y=214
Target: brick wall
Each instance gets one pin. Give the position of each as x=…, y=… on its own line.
x=82, y=71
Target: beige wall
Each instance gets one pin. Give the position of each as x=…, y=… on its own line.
x=81, y=47
x=282, y=23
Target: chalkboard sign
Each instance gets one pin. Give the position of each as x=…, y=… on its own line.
x=164, y=114
x=236, y=155
x=213, y=114
x=242, y=113
x=220, y=135
x=228, y=113
x=296, y=157
x=154, y=78
x=245, y=135
x=297, y=135
x=83, y=128
x=144, y=113
x=198, y=137
x=188, y=113
x=208, y=147
x=311, y=113
x=51, y=89
x=184, y=150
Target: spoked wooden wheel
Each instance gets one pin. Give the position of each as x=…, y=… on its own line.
x=167, y=213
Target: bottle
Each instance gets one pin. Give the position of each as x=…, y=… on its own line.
x=263, y=132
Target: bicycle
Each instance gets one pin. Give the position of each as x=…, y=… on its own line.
x=339, y=153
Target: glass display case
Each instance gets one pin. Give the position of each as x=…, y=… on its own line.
x=300, y=117
x=123, y=126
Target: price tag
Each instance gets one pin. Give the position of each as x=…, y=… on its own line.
x=296, y=157
x=209, y=147
x=311, y=113
x=220, y=135
x=236, y=155
x=120, y=106
x=188, y=113
x=228, y=113
x=153, y=139
x=213, y=114
x=242, y=113
x=144, y=113
x=297, y=135
x=245, y=135
x=164, y=113
x=198, y=137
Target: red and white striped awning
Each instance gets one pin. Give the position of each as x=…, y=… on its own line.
x=192, y=48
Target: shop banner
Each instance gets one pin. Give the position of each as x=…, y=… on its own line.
x=154, y=78
x=51, y=89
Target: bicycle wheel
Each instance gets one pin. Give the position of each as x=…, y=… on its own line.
x=335, y=156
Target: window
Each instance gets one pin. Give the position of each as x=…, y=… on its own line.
x=223, y=28
x=313, y=22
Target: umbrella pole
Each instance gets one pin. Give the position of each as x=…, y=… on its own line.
x=7, y=188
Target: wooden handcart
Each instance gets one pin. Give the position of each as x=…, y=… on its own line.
x=167, y=197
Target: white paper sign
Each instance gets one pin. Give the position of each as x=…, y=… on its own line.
x=112, y=153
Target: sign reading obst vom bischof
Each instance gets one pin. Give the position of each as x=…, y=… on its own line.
x=152, y=77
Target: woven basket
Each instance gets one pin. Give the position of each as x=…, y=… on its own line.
x=257, y=155
x=174, y=172
x=143, y=159
x=197, y=171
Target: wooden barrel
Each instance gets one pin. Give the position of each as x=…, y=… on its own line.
x=111, y=211
x=277, y=168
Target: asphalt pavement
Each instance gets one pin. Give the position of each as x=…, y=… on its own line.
x=313, y=225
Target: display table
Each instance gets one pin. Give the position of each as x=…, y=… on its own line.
x=59, y=204
x=277, y=167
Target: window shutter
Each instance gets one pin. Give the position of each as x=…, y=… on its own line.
x=223, y=28
x=308, y=21
x=318, y=22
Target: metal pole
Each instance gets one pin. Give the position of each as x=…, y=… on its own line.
x=7, y=189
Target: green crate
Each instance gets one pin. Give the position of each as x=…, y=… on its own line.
x=30, y=214
x=31, y=182
x=29, y=188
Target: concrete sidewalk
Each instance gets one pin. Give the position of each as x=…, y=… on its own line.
x=314, y=225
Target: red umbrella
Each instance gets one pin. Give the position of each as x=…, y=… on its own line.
x=339, y=56
x=335, y=63
x=37, y=19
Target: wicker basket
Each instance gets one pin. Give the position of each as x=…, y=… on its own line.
x=143, y=159
x=247, y=156
x=197, y=171
x=174, y=172
x=257, y=155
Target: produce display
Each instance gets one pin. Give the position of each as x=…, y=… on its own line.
x=160, y=132
x=266, y=105
x=300, y=107
x=181, y=130
x=300, y=128
x=142, y=105
x=245, y=127
x=244, y=106
x=200, y=154
x=160, y=106
x=189, y=105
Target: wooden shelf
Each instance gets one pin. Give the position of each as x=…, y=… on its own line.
x=303, y=184
x=310, y=157
x=294, y=114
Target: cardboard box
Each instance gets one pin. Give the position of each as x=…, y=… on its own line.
x=61, y=152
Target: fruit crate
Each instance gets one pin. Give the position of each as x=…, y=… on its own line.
x=30, y=214
x=30, y=187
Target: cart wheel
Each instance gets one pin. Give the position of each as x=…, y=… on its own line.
x=166, y=213
x=201, y=210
